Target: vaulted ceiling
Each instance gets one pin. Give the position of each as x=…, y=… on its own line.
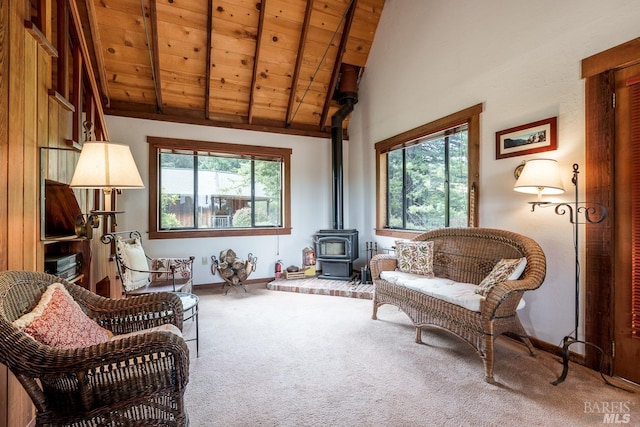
x=268, y=65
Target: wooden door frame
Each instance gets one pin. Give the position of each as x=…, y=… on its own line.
x=599, y=74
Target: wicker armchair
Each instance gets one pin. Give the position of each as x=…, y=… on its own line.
x=140, y=274
x=132, y=381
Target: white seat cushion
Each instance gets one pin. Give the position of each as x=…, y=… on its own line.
x=462, y=294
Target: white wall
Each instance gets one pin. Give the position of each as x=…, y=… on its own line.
x=521, y=59
x=310, y=195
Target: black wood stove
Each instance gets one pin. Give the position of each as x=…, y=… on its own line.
x=336, y=250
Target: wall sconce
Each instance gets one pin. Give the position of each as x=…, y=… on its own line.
x=106, y=166
x=542, y=176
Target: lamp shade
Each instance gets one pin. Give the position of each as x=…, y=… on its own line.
x=540, y=176
x=106, y=165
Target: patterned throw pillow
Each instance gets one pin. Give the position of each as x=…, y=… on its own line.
x=415, y=257
x=505, y=269
x=58, y=321
x=163, y=267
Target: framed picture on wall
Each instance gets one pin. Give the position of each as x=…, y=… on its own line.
x=531, y=138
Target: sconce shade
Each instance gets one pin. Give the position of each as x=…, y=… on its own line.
x=540, y=176
x=106, y=165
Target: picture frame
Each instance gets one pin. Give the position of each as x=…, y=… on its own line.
x=531, y=138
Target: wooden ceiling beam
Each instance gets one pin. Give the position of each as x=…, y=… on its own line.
x=207, y=73
x=62, y=34
x=256, y=59
x=351, y=11
x=195, y=117
x=77, y=94
x=76, y=27
x=92, y=17
x=299, y=56
x=152, y=45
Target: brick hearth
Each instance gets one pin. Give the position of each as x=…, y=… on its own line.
x=317, y=286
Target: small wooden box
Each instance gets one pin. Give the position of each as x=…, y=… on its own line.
x=293, y=275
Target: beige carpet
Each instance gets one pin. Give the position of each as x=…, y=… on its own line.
x=289, y=359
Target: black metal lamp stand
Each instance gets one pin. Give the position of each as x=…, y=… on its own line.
x=592, y=213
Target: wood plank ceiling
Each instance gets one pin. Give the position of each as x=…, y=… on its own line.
x=268, y=65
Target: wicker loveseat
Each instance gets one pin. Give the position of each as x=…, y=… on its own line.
x=465, y=255
x=137, y=379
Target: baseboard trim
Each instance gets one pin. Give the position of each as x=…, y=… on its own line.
x=551, y=349
x=220, y=285
x=557, y=351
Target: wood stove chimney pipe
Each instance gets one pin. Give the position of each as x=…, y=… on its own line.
x=347, y=97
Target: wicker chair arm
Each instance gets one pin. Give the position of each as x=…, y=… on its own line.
x=503, y=298
x=115, y=351
x=382, y=262
x=142, y=312
x=131, y=314
x=37, y=364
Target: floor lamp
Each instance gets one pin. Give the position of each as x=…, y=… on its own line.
x=542, y=177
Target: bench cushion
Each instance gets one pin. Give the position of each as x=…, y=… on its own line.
x=462, y=294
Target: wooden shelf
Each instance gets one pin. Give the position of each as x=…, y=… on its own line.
x=55, y=239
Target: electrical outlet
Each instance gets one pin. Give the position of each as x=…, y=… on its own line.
x=205, y=261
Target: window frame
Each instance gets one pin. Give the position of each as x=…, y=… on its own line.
x=469, y=116
x=157, y=143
